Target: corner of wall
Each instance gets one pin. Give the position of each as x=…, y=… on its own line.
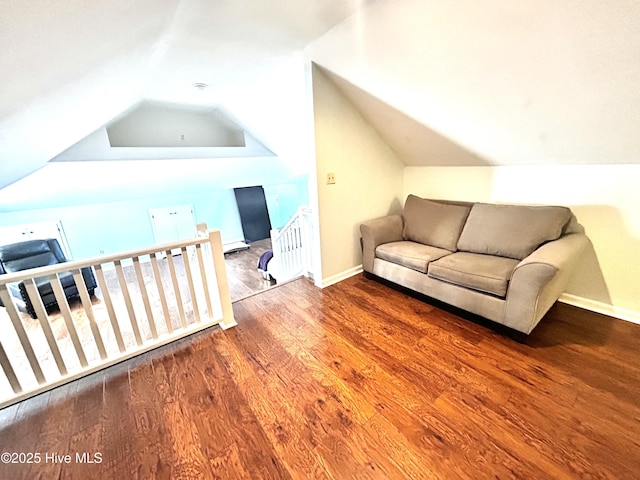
x=368, y=177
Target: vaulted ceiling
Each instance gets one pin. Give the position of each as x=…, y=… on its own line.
x=445, y=83
x=511, y=83
x=69, y=68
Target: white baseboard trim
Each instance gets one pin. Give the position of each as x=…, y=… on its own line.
x=234, y=246
x=600, y=307
x=237, y=240
x=581, y=302
x=338, y=277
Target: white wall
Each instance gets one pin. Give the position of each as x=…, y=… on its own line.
x=519, y=83
x=368, y=178
x=276, y=107
x=604, y=198
x=160, y=125
x=546, y=89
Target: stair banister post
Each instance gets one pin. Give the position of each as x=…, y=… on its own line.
x=215, y=241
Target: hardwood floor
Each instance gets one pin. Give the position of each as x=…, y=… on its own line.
x=353, y=381
x=244, y=278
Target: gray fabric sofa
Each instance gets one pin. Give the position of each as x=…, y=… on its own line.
x=506, y=263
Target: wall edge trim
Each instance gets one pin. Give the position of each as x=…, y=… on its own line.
x=601, y=307
x=338, y=277
x=575, y=300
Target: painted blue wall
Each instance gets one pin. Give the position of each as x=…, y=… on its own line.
x=284, y=200
x=114, y=227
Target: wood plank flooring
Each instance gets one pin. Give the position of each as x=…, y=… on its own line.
x=242, y=274
x=243, y=278
x=353, y=381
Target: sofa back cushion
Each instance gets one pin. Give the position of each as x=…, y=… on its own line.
x=433, y=223
x=513, y=231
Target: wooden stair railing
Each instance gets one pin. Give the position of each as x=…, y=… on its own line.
x=121, y=323
x=292, y=247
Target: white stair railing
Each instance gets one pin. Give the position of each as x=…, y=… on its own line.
x=145, y=298
x=292, y=247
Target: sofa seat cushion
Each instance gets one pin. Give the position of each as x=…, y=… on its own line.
x=513, y=231
x=485, y=273
x=433, y=223
x=410, y=254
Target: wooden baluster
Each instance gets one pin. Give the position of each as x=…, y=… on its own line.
x=106, y=296
x=145, y=297
x=298, y=249
x=290, y=252
x=192, y=290
x=22, y=334
x=306, y=246
x=287, y=243
x=8, y=371
x=161, y=292
x=205, y=282
x=88, y=310
x=127, y=300
x=176, y=288
x=211, y=281
x=285, y=254
x=310, y=244
x=63, y=304
x=43, y=318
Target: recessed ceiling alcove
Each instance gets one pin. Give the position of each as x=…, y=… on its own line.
x=157, y=131
x=157, y=125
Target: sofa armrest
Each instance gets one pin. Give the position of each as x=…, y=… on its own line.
x=539, y=279
x=376, y=232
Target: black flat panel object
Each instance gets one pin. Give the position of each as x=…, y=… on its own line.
x=254, y=216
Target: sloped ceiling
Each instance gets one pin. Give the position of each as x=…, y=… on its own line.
x=501, y=83
x=516, y=83
x=414, y=143
x=68, y=68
